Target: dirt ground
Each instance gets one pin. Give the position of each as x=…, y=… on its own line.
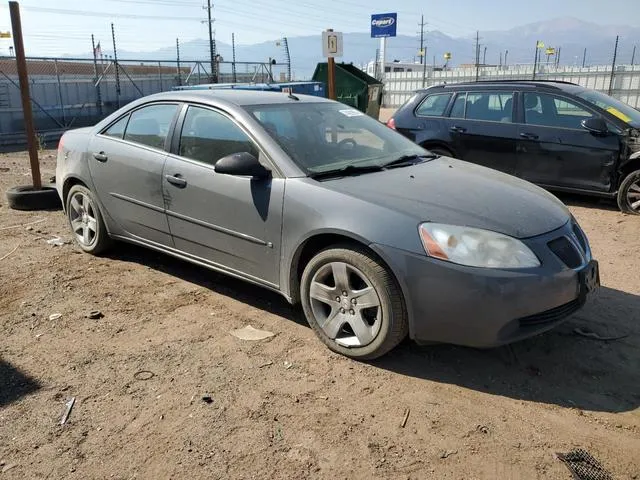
x=287, y=407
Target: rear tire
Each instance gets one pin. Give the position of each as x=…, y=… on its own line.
x=85, y=220
x=353, y=303
x=25, y=197
x=629, y=194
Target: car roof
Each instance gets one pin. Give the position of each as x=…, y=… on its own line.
x=234, y=97
x=497, y=84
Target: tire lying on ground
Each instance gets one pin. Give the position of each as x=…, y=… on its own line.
x=25, y=197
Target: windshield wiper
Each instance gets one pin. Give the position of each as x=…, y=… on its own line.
x=406, y=160
x=346, y=171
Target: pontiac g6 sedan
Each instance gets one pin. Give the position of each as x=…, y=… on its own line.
x=377, y=237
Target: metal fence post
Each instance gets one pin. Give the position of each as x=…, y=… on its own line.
x=613, y=66
x=64, y=116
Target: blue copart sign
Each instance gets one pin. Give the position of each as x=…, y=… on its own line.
x=384, y=25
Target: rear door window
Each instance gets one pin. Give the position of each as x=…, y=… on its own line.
x=150, y=125
x=434, y=105
x=489, y=106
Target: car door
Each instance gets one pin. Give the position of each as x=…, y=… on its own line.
x=555, y=150
x=230, y=221
x=482, y=129
x=427, y=125
x=126, y=161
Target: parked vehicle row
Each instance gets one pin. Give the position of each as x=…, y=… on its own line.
x=557, y=135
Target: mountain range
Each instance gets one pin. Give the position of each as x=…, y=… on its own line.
x=571, y=35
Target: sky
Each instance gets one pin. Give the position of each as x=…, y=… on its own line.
x=57, y=27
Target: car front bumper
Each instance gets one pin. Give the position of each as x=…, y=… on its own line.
x=482, y=307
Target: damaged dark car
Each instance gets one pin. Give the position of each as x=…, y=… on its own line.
x=558, y=135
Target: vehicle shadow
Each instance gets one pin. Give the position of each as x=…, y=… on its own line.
x=559, y=367
x=14, y=384
x=219, y=283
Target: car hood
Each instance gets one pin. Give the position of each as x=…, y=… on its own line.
x=451, y=191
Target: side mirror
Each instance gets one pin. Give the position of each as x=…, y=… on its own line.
x=241, y=164
x=595, y=125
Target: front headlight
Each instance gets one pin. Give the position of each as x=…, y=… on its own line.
x=475, y=247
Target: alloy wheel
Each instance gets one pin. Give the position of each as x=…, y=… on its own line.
x=345, y=304
x=633, y=196
x=83, y=219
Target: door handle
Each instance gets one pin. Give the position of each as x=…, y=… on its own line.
x=100, y=156
x=529, y=136
x=457, y=129
x=176, y=180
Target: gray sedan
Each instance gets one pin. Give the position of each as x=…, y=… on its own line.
x=375, y=236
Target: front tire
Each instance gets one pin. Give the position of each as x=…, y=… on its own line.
x=353, y=303
x=86, y=221
x=629, y=194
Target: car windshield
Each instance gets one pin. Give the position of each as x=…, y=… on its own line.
x=322, y=137
x=615, y=107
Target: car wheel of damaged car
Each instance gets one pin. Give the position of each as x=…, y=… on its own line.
x=86, y=221
x=629, y=193
x=353, y=303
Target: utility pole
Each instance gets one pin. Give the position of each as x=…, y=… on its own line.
x=95, y=77
x=506, y=54
x=424, y=68
x=613, y=65
x=477, y=56
x=633, y=55
x=422, y=52
x=500, y=65
x=178, y=58
x=484, y=56
x=23, y=76
x=558, y=56
x=115, y=60
x=584, y=57
x=287, y=57
x=212, y=45
x=233, y=57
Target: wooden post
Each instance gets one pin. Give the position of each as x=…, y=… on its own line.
x=21, y=62
x=331, y=77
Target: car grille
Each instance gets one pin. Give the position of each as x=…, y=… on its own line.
x=566, y=251
x=580, y=236
x=552, y=315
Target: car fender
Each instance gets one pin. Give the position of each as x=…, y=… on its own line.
x=311, y=210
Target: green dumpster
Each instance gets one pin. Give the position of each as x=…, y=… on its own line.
x=353, y=87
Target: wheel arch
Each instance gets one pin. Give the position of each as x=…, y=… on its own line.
x=318, y=241
x=428, y=144
x=69, y=182
x=631, y=165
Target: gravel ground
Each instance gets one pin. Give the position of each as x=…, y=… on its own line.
x=287, y=407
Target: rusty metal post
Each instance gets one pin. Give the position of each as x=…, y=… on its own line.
x=21, y=62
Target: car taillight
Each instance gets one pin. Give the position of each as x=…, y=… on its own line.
x=391, y=123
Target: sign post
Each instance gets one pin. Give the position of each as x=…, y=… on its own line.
x=23, y=76
x=383, y=25
x=331, y=48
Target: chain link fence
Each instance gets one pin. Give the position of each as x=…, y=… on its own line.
x=71, y=93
